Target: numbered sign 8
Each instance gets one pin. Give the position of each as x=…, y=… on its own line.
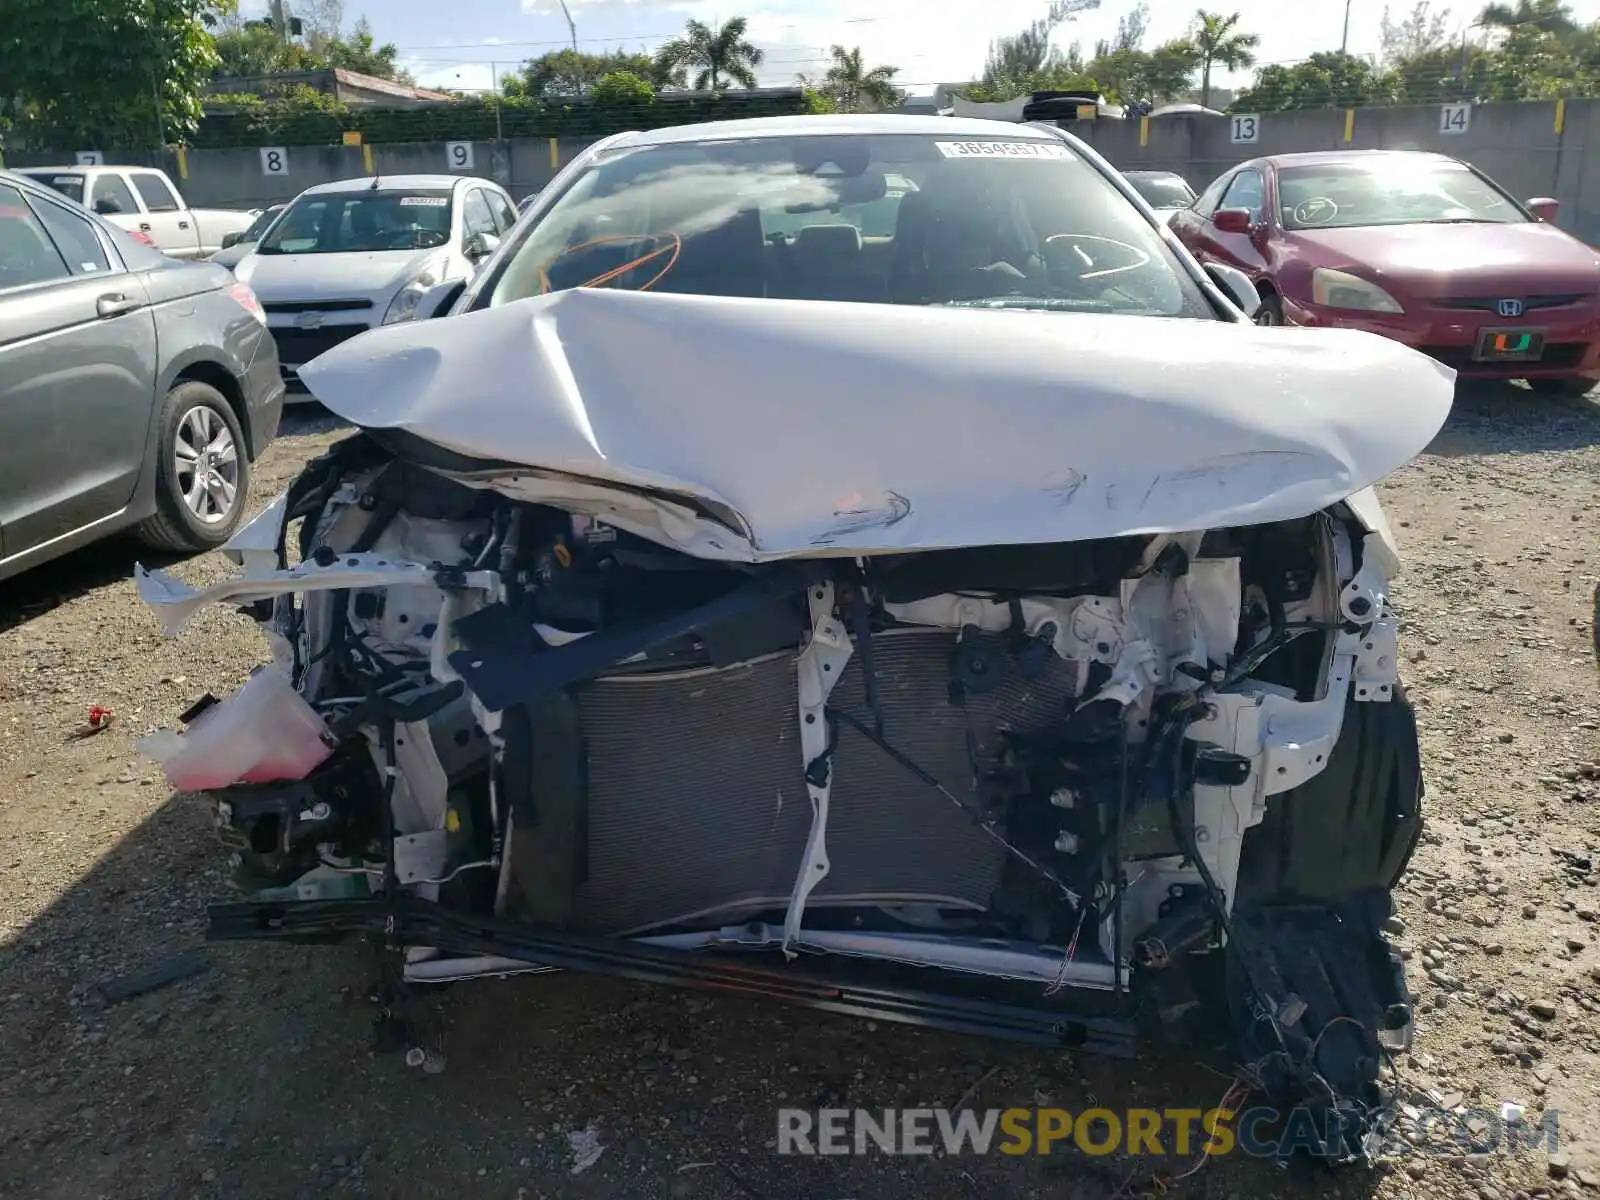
x=91, y=158
x=1454, y=118
x=458, y=155
x=1246, y=128
x=274, y=160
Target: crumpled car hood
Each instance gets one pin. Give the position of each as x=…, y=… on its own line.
x=820, y=428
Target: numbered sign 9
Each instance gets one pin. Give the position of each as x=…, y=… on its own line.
x=458, y=155
x=1245, y=128
x=1454, y=118
x=91, y=158
x=274, y=160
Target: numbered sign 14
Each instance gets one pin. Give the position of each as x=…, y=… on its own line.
x=458, y=155
x=1454, y=118
x=274, y=160
x=1245, y=128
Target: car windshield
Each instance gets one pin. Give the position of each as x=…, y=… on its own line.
x=70, y=186
x=891, y=218
x=259, y=225
x=1163, y=191
x=360, y=222
x=1400, y=192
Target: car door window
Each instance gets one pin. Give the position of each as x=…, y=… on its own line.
x=505, y=216
x=1207, y=202
x=74, y=238
x=110, y=196
x=476, y=216
x=158, y=197
x=27, y=255
x=1245, y=192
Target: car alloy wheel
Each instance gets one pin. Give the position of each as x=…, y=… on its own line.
x=206, y=465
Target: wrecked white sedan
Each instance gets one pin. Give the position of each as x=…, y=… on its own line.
x=935, y=601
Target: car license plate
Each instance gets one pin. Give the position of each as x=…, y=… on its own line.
x=1509, y=345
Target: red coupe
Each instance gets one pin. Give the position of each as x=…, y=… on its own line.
x=1418, y=247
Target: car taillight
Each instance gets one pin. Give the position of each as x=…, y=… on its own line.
x=140, y=235
x=247, y=301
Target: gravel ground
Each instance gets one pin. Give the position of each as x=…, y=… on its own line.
x=255, y=1078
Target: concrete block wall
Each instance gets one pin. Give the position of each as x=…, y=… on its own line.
x=1532, y=149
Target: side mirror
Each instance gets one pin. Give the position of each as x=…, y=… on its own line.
x=1237, y=286
x=231, y=239
x=1232, y=220
x=107, y=207
x=1544, y=207
x=479, y=246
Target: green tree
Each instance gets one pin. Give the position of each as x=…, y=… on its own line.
x=1544, y=16
x=712, y=55
x=1028, y=61
x=563, y=73
x=624, y=88
x=1024, y=61
x=358, y=51
x=1325, y=80
x=1157, y=75
x=106, y=73
x=852, y=87
x=1220, y=41
x=1420, y=32
x=254, y=49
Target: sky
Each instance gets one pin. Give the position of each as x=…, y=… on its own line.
x=466, y=43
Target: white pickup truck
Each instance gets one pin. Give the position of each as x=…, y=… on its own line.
x=143, y=200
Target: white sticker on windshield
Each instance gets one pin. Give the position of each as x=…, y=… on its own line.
x=65, y=181
x=423, y=201
x=1051, y=150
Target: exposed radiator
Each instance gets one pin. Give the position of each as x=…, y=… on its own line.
x=697, y=804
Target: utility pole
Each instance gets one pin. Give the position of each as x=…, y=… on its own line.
x=1344, y=42
x=567, y=13
x=280, y=20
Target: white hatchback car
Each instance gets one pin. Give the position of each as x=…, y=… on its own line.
x=348, y=256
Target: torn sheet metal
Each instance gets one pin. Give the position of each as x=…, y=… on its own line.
x=255, y=546
x=799, y=428
x=176, y=602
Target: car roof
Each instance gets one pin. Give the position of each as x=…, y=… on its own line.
x=395, y=183
x=1333, y=158
x=73, y=167
x=824, y=126
x=1153, y=175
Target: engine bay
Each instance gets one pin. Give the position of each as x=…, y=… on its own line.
x=1067, y=768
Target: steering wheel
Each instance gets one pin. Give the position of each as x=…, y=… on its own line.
x=1070, y=243
x=1315, y=210
x=407, y=239
x=662, y=253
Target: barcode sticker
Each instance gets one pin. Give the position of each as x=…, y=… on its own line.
x=423, y=201
x=1027, y=150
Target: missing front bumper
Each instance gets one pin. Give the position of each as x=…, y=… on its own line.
x=883, y=991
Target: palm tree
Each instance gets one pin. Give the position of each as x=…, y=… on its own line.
x=853, y=88
x=1218, y=40
x=1547, y=16
x=712, y=54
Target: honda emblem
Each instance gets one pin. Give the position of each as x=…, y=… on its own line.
x=1510, y=308
x=313, y=320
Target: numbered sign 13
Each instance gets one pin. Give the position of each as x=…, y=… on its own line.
x=1245, y=128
